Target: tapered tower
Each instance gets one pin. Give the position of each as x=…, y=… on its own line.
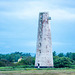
x=44, y=56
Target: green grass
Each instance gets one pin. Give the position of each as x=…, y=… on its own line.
x=20, y=68
x=39, y=72
x=36, y=71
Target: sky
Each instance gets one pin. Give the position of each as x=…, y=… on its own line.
x=19, y=24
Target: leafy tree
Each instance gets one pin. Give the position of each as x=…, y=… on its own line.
x=60, y=54
x=2, y=63
x=73, y=56
x=54, y=53
x=60, y=62
x=70, y=55
x=27, y=61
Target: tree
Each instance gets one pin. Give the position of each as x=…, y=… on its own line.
x=2, y=63
x=60, y=54
x=73, y=56
x=60, y=62
x=54, y=53
x=27, y=61
x=70, y=55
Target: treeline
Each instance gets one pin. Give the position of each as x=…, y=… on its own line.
x=64, y=60
x=61, y=60
x=12, y=59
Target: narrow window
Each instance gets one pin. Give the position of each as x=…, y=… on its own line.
x=39, y=51
x=38, y=65
x=39, y=44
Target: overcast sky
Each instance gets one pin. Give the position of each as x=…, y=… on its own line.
x=19, y=24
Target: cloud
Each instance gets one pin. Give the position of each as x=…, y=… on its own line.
x=27, y=43
x=17, y=22
x=31, y=43
x=61, y=43
x=31, y=9
x=2, y=43
x=59, y=14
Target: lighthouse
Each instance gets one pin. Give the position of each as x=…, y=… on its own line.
x=44, y=56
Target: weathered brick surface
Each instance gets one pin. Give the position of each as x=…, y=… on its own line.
x=44, y=55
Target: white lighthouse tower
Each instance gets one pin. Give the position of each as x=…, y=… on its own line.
x=44, y=56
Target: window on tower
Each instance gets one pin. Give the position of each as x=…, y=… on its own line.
x=39, y=44
x=40, y=21
x=39, y=51
x=40, y=36
x=40, y=29
x=41, y=16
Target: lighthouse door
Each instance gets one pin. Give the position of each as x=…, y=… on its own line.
x=38, y=65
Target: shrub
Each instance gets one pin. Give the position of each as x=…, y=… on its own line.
x=61, y=62
x=2, y=64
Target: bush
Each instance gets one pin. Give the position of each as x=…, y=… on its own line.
x=61, y=62
x=23, y=66
x=72, y=66
x=2, y=64
x=27, y=61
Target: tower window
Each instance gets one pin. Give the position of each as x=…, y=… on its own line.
x=39, y=44
x=40, y=29
x=40, y=21
x=39, y=51
x=41, y=16
x=38, y=65
x=40, y=36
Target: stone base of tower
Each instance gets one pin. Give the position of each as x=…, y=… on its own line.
x=44, y=67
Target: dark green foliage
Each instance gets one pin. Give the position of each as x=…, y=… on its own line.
x=70, y=55
x=73, y=62
x=64, y=60
x=60, y=62
x=13, y=57
x=27, y=61
x=72, y=66
x=60, y=54
x=4, y=62
x=8, y=59
x=54, y=53
x=73, y=56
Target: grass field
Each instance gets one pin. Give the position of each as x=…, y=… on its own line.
x=39, y=72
